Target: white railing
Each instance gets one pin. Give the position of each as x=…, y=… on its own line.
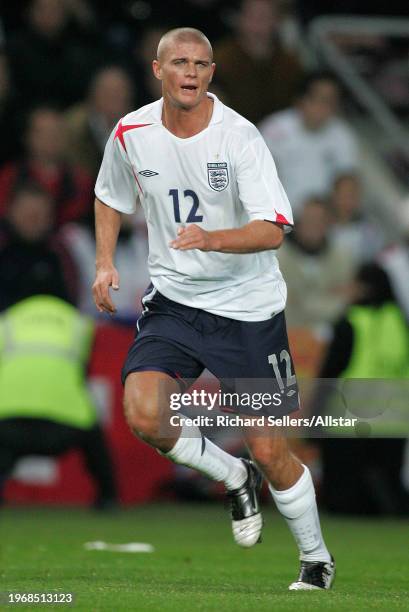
x=321, y=33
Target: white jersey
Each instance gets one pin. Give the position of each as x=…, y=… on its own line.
x=221, y=178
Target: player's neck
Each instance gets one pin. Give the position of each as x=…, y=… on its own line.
x=185, y=123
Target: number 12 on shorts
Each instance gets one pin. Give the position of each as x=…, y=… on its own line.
x=192, y=217
x=290, y=378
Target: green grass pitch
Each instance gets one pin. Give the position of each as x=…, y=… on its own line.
x=196, y=565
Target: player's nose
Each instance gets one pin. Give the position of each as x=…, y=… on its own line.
x=191, y=69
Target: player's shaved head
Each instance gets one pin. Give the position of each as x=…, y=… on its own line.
x=182, y=35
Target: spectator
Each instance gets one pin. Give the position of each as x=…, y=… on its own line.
x=44, y=162
x=31, y=259
x=317, y=272
x=89, y=124
x=370, y=341
x=131, y=263
x=352, y=231
x=256, y=73
x=53, y=57
x=311, y=145
x=45, y=408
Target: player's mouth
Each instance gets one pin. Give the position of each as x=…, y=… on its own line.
x=189, y=87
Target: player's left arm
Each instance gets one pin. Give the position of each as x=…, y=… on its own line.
x=256, y=236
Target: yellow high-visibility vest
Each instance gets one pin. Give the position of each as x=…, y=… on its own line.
x=45, y=345
x=374, y=385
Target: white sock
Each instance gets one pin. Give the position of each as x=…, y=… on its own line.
x=195, y=451
x=299, y=508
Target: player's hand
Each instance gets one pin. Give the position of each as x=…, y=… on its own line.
x=106, y=277
x=192, y=237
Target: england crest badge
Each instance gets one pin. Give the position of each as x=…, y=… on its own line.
x=218, y=176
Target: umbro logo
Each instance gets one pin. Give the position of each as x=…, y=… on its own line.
x=148, y=173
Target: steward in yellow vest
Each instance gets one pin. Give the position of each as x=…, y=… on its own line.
x=360, y=474
x=45, y=346
x=45, y=407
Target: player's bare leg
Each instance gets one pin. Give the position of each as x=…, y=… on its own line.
x=280, y=467
x=147, y=410
x=146, y=401
x=292, y=489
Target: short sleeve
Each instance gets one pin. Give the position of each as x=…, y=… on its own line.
x=260, y=189
x=116, y=184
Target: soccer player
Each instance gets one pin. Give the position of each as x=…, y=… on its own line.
x=216, y=211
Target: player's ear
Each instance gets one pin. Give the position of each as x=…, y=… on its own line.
x=157, y=70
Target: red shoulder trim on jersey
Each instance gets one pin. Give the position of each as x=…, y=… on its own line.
x=281, y=219
x=121, y=129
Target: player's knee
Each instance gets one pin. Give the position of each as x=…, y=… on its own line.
x=270, y=454
x=141, y=413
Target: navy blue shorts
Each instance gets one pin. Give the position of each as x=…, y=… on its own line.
x=182, y=341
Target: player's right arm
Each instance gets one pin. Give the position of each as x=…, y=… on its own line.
x=107, y=224
x=116, y=192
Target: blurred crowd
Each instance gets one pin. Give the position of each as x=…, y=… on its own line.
x=70, y=69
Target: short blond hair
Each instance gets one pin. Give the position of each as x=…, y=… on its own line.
x=183, y=35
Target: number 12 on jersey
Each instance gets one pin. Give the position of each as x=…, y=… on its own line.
x=192, y=217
